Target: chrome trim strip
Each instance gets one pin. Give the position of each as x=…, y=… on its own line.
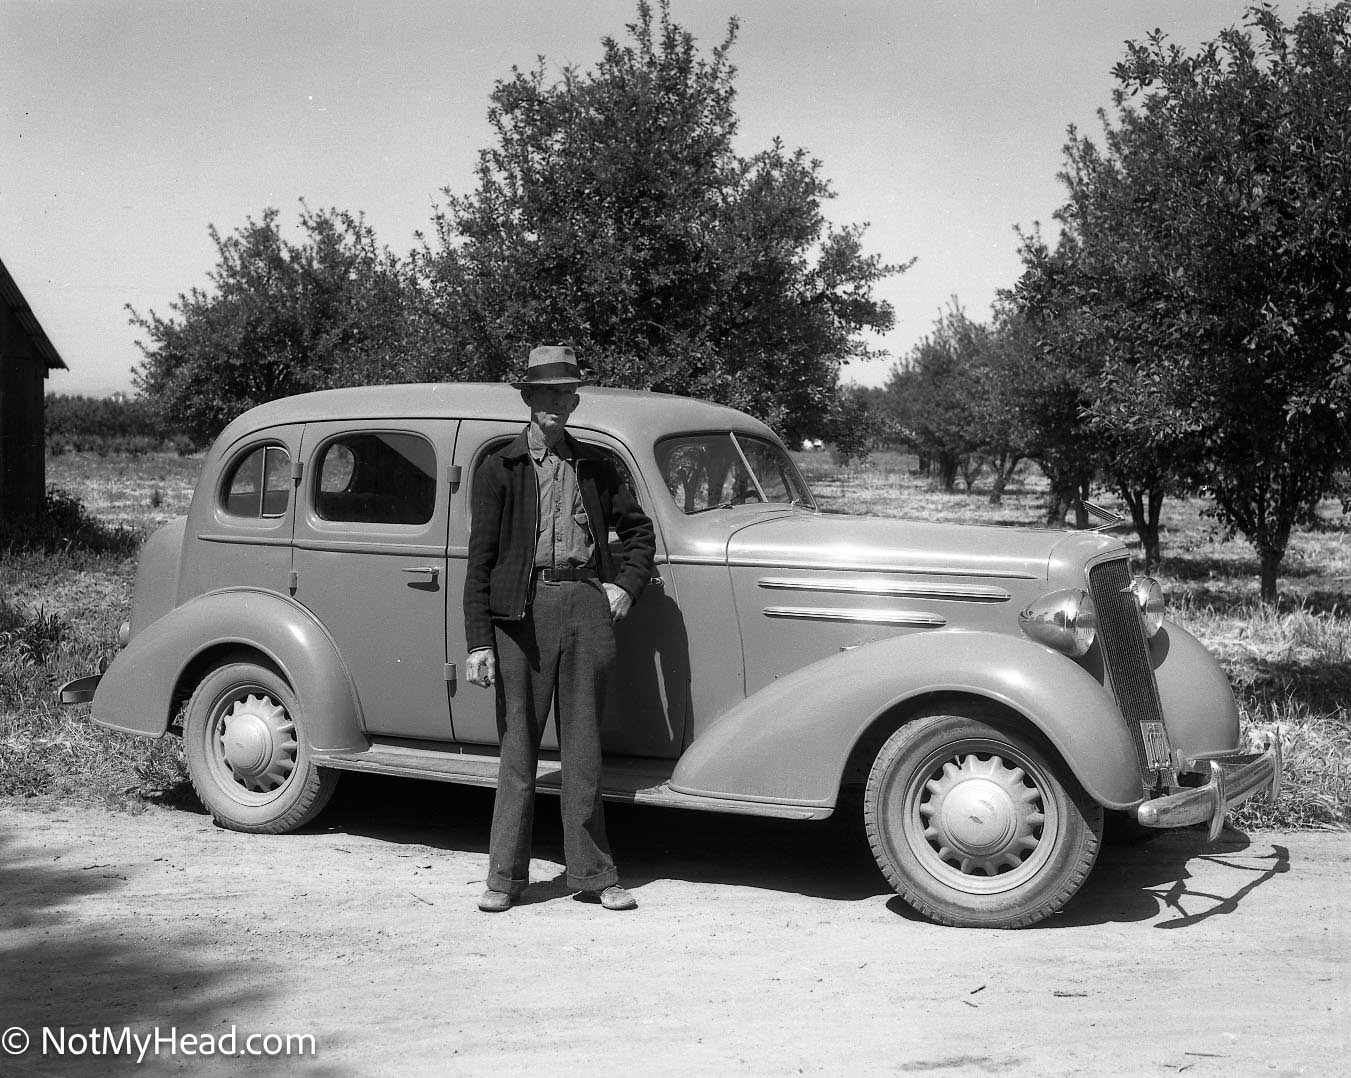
x=917, y=618
x=244, y=539
x=696, y=559
x=368, y=546
x=968, y=593
x=882, y=567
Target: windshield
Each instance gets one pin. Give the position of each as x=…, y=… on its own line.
x=717, y=471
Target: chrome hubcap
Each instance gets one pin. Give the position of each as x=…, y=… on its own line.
x=256, y=742
x=981, y=816
x=978, y=819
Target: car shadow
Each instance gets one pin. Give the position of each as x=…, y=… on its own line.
x=828, y=859
x=819, y=859
x=1149, y=880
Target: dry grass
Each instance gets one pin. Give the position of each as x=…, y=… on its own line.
x=1289, y=666
x=65, y=587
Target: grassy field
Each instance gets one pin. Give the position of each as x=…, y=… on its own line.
x=62, y=598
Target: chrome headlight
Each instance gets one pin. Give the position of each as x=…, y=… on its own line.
x=1149, y=598
x=1064, y=620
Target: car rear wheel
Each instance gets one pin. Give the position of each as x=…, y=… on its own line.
x=975, y=825
x=247, y=757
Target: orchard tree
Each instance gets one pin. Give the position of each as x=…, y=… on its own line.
x=1212, y=237
x=283, y=317
x=1049, y=374
x=1004, y=414
x=932, y=392
x=614, y=214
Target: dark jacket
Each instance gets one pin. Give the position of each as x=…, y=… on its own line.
x=502, y=534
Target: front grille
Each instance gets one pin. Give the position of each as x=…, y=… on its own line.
x=1125, y=651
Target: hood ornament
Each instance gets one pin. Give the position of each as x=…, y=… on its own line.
x=1109, y=519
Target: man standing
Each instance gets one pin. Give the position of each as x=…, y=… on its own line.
x=541, y=593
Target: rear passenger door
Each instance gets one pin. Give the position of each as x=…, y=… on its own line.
x=370, y=562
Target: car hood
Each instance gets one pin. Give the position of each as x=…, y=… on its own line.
x=879, y=544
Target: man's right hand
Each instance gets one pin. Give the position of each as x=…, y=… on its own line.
x=481, y=669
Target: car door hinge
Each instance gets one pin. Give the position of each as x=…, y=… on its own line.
x=292, y=581
x=453, y=473
x=297, y=469
x=450, y=671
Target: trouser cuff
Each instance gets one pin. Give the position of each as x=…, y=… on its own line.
x=598, y=882
x=515, y=888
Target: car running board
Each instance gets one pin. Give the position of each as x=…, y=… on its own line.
x=631, y=779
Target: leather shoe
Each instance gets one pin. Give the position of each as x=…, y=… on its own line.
x=495, y=901
x=615, y=897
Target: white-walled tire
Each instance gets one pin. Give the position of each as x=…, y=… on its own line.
x=976, y=825
x=248, y=760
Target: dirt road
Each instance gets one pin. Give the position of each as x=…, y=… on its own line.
x=759, y=947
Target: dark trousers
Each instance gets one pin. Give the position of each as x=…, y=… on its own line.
x=563, y=651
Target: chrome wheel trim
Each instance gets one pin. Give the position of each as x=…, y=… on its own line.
x=978, y=816
x=252, y=745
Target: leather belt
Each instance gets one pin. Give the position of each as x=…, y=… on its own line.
x=554, y=576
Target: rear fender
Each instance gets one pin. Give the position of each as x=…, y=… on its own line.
x=791, y=741
x=138, y=690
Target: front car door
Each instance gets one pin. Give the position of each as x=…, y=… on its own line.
x=648, y=698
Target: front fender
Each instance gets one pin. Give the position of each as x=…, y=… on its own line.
x=1197, y=699
x=790, y=741
x=136, y=693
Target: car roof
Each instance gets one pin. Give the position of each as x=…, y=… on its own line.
x=624, y=412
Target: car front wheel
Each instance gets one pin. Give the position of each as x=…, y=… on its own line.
x=248, y=761
x=975, y=825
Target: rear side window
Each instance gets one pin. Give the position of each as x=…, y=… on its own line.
x=377, y=478
x=260, y=484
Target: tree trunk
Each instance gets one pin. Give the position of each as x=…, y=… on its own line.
x=1271, y=565
x=997, y=488
x=1146, y=504
x=947, y=471
x=971, y=467
x=1003, y=467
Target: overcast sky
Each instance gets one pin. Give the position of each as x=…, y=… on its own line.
x=129, y=126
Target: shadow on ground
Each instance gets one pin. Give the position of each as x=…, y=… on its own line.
x=829, y=859
x=83, y=972
x=1155, y=879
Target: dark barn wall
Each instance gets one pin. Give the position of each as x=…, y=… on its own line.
x=22, y=450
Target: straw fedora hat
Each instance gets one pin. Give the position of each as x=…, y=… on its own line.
x=551, y=365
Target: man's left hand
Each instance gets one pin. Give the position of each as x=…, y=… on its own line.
x=620, y=601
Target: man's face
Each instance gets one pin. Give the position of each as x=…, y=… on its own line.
x=550, y=407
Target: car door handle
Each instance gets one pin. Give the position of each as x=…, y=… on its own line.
x=431, y=570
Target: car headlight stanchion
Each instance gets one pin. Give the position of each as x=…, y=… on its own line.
x=1065, y=620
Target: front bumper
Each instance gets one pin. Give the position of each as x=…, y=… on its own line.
x=1234, y=777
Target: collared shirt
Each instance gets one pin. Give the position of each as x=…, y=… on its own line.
x=563, y=537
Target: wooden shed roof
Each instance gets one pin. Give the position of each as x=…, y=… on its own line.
x=13, y=299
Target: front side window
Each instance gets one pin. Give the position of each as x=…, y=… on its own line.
x=717, y=471
x=260, y=484
x=377, y=478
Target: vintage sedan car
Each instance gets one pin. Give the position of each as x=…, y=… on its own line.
x=989, y=695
